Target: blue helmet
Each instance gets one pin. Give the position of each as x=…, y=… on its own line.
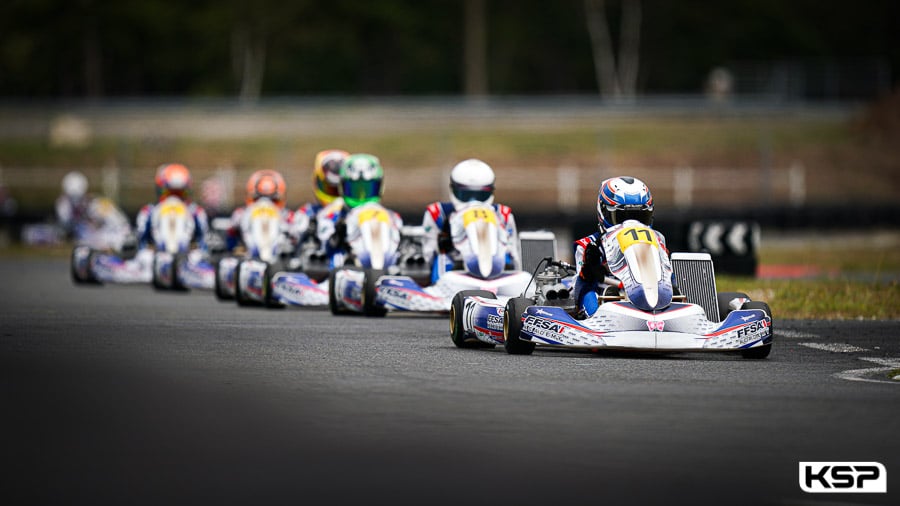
x=624, y=198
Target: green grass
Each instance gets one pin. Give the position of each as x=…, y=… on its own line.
x=833, y=299
x=858, y=277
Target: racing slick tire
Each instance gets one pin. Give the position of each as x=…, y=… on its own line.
x=268, y=295
x=89, y=278
x=457, y=331
x=219, y=287
x=333, y=297
x=723, y=298
x=177, y=261
x=512, y=327
x=760, y=352
x=239, y=296
x=370, y=293
x=155, y=280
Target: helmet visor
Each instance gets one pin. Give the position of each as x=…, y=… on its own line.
x=326, y=187
x=358, y=191
x=470, y=193
x=165, y=193
x=621, y=214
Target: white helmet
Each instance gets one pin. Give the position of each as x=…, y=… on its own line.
x=471, y=180
x=74, y=185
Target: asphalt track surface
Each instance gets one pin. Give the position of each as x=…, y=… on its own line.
x=123, y=395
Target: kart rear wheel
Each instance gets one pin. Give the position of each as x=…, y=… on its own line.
x=457, y=330
x=219, y=286
x=268, y=295
x=512, y=327
x=760, y=352
x=370, y=293
x=724, y=298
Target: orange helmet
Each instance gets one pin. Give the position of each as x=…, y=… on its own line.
x=266, y=183
x=173, y=179
x=326, y=175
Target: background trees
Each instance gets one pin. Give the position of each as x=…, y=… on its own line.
x=228, y=48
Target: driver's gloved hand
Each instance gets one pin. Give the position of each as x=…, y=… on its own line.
x=339, y=237
x=445, y=243
x=592, y=268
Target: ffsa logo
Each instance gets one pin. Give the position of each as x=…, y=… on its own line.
x=843, y=477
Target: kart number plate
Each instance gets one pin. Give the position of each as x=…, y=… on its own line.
x=264, y=212
x=476, y=215
x=630, y=236
x=173, y=208
x=374, y=214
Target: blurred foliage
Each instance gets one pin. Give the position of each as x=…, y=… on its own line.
x=72, y=48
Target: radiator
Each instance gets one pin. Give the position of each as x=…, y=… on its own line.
x=535, y=246
x=696, y=279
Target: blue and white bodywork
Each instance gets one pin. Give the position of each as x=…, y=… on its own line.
x=645, y=315
x=172, y=262
x=483, y=247
x=265, y=234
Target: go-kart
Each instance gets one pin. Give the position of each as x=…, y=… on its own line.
x=267, y=243
x=171, y=264
x=105, y=230
x=640, y=311
x=374, y=238
x=482, y=247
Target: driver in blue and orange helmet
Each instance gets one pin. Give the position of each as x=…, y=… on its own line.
x=619, y=199
x=172, y=180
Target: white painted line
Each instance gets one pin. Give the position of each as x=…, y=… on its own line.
x=835, y=347
x=860, y=374
x=796, y=334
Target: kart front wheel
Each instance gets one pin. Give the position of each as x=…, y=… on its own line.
x=333, y=295
x=760, y=352
x=156, y=279
x=512, y=327
x=178, y=262
x=239, y=296
x=723, y=298
x=88, y=276
x=268, y=295
x=457, y=329
x=221, y=294
x=370, y=293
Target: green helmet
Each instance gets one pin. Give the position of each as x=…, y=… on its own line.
x=361, y=179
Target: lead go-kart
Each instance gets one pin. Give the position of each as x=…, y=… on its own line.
x=173, y=263
x=482, y=245
x=643, y=314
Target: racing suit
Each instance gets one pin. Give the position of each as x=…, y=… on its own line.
x=332, y=231
x=592, y=269
x=145, y=232
x=438, y=245
x=234, y=235
x=72, y=213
